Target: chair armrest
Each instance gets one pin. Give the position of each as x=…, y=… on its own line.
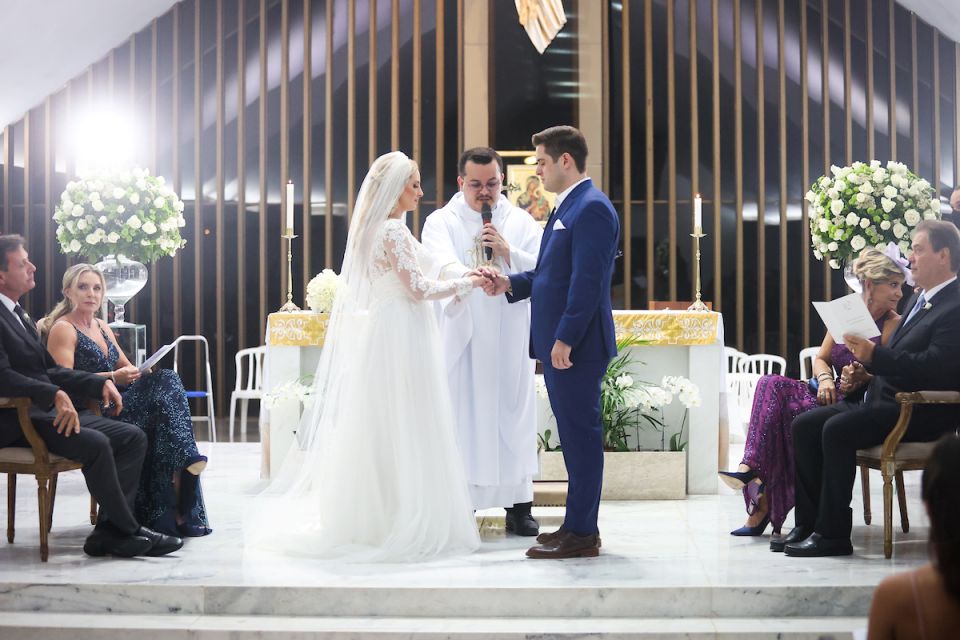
x=22, y=405
x=907, y=399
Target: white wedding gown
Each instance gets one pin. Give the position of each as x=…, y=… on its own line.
x=386, y=482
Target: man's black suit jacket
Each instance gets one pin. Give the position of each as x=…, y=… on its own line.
x=28, y=369
x=923, y=354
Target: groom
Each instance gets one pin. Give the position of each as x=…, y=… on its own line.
x=572, y=331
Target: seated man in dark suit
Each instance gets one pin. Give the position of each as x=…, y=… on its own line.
x=111, y=452
x=923, y=353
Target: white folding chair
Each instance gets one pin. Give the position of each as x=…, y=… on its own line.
x=742, y=386
x=733, y=356
x=207, y=391
x=763, y=364
x=807, y=356
x=249, y=383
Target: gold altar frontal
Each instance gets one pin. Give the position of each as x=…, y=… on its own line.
x=307, y=329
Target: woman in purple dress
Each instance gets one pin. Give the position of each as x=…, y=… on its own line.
x=766, y=473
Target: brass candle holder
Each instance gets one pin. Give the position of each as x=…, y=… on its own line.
x=698, y=303
x=289, y=306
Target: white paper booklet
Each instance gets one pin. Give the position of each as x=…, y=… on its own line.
x=848, y=314
x=156, y=357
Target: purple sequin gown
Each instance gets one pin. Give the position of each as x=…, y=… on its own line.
x=769, y=446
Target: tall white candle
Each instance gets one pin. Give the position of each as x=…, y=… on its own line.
x=697, y=212
x=290, y=206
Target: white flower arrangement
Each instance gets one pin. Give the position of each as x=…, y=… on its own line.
x=867, y=205
x=290, y=390
x=322, y=291
x=130, y=213
x=626, y=402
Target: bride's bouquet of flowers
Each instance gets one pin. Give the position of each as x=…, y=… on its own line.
x=867, y=205
x=131, y=213
x=322, y=291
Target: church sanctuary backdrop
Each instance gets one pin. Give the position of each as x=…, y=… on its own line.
x=744, y=101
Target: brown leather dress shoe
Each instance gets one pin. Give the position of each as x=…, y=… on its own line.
x=567, y=545
x=549, y=538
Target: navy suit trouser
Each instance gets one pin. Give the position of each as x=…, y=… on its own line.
x=575, y=400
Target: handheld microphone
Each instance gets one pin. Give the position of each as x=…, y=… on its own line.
x=486, y=215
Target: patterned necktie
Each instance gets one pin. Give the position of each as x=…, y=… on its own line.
x=25, y=319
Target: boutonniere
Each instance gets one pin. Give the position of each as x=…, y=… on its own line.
x=928, y=306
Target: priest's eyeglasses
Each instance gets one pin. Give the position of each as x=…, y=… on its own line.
x=491, y=185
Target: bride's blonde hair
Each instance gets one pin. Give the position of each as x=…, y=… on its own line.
x=65, y=306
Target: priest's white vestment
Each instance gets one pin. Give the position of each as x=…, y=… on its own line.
x=486, y=343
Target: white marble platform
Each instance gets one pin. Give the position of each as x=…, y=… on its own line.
x=667, y=561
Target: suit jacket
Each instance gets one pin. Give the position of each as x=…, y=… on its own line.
x=569, y=289
x=922, y=354
x=28, y=369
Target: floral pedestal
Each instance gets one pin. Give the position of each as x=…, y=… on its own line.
x=630, y=475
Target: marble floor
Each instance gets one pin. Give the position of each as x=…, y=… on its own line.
x=666, y=561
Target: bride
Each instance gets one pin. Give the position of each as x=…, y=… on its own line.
x=374, y=474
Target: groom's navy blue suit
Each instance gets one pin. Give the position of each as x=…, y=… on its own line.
x=569, y=291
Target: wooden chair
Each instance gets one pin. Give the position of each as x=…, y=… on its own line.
x=893, y=457
x=673, y=305
x=39, y=462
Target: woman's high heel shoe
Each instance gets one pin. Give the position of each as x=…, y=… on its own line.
x=736, y=479
x=753, y=531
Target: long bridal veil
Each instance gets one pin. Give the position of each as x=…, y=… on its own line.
x=290, y=513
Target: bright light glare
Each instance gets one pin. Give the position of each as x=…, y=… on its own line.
x=104, y=140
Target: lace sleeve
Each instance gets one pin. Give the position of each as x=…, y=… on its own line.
x=400, y=248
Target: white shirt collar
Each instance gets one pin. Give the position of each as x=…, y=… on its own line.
x=928, y=295
x=563, y=194
x=10, y=304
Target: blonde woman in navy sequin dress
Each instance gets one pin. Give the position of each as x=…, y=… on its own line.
x=766, y=473
x=169, y=498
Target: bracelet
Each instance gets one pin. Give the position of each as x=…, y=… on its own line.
x=825, y=374
x=112, y=378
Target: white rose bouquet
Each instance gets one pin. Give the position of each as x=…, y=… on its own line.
x=322, y=290
x=130, y=213
x=867, y=205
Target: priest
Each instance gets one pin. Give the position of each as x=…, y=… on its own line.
x=486, y=338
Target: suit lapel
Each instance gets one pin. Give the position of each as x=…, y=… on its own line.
x=564, y=206
x=18, y=329
x=944, y=296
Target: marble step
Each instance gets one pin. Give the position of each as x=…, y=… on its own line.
x=64, y=626
x=568, y=602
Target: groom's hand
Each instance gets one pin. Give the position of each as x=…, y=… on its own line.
x=498, y=284
x=560, y=355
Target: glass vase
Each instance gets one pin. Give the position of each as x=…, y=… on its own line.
x=850, y=278
x=124, y=278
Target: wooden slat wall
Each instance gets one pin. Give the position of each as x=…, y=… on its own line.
x=191, y=300
x=766, y=306
x=251, y=270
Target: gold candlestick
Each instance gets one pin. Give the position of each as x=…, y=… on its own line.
x=289, y=306
x=698, y=303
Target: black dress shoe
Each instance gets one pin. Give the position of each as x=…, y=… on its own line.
x=160, y=543
x=816, y=546
x=103, y=542
x=519, y=520
x=797, y=534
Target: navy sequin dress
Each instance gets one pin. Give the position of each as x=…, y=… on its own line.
x=157, y=403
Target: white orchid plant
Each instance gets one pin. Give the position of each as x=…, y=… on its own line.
x=322, y=291
x=130, y=212
x=627, y=404
x=867, y=205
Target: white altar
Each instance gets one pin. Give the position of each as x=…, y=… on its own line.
x=676, y=343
